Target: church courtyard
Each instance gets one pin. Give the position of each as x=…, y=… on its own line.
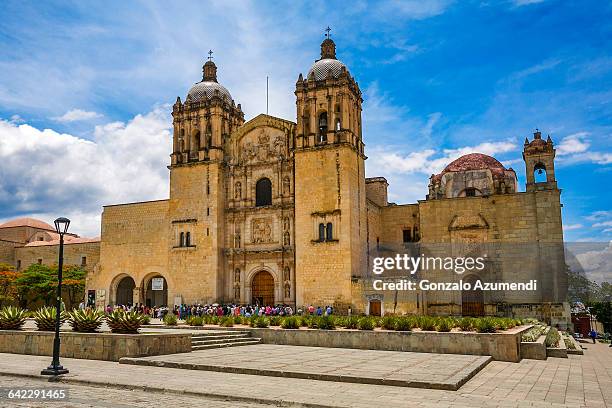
x=578, y=381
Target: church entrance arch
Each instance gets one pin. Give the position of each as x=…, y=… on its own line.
x=262, y=288
x=472, y=301
x=156, y=291
x=125, y=291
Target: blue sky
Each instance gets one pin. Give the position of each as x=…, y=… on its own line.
x=85, y=88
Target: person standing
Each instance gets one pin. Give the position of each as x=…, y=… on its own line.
x=593, y=335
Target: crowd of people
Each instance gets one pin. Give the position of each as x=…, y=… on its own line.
x=184, y=311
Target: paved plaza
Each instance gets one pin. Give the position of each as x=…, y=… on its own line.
x=578, y=381
x=424, y=370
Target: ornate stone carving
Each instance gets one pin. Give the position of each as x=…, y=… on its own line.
x=238, y=191
x=261, y=230
x=286, y=186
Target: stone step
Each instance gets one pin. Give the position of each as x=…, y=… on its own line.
x=220, y=336
x=226, y=344
x=219, y=341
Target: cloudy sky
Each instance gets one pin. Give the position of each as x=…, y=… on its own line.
x=85, y=89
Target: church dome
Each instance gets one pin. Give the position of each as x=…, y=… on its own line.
x=208, y=87
x=27, y=222
x=323, y=67
x=474, y=161
x=328, y=64
x=205, y=90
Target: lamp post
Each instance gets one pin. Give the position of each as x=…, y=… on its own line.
x=61, y=226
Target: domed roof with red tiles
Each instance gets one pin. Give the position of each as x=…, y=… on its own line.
x=27, y=222
x=474, y=161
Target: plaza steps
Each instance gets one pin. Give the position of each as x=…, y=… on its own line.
x=213, y=340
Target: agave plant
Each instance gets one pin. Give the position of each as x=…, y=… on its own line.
x=45, y=318
x=12, y=318
x=120, y=321
x=85, y=321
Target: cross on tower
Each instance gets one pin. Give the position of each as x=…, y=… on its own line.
x=210, y=53
x=327, y=34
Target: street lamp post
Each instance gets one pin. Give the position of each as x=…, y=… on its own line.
x=61, y=226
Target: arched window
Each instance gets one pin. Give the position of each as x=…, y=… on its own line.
x=539, y=173
x=182, y=239
x=188, y=239
x=263, y=192
x=321, y=232
x=323, y=127
x=196, y=140
x=329, y=232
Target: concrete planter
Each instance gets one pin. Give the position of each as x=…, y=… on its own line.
x=94, y=346
x=559, y=352
x=534, y=350
x=501, y=346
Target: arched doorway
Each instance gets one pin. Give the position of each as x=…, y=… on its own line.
x=156, y=292
x=262, y=288
x=375, y=309
x=125, y=291
x=472, y=301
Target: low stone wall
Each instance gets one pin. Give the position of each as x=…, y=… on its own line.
x=501, y=346
x=558, y=352
x=534, y=350
x=94, y=346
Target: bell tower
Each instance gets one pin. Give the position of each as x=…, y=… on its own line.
x=202, y=125
x=330, y=183
x=539, y=157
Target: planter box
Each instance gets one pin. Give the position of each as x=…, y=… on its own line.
x=534, y=350
x=578, y=350
x=501, y=346
x=560, y=352
x=94, y=346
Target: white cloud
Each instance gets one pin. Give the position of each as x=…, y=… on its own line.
x=49, y=174
x=520, y=3
x=75, y=115
x=602, y=224
x=572, y=227
x=595, y=260
x=575, y=143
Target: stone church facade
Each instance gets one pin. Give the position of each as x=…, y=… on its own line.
x=273, y=211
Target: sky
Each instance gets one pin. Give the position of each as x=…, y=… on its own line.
x=86, y=90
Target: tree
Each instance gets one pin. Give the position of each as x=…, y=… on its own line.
x=73, y=283
x=603, y=312
x=37, y=282
x=8, y=276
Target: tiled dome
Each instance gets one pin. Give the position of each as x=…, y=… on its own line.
x=205, y=90
x=27, y=222
x=328, y=63
x=474, y=161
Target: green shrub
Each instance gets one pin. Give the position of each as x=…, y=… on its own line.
x=290, y=322
x=85, y=321
x=569, y=343
x=226, y=321
x=170, y=319
x=365, y=323
x=444, y=325
x=120, y=321
x=351, y=322
x=377, y=321
x=552, y=338
x=275, y=320
x=427, y=323
x=304, y=321
x=534, y=333
x=194, y=321
x=259, y=321
x=389, y=322
x=485, y=325
x=326, y=322
x=12, y=318
x=146, y=319
x=466, y=323
x=404, y=324
x=238, y=320
x=45, y=318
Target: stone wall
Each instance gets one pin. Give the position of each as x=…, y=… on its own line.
x=94, y=346
x=501, y=346
x=48, y=254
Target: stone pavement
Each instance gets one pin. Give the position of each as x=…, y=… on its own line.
x=578, y=381
x=82, y=396
x=406, y=369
